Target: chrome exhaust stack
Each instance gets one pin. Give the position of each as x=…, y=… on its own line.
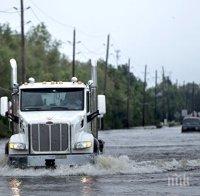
x=13, y=64
x=94, y=73
x=15, y=96
x=93, y=89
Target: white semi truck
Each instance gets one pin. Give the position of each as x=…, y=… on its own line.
x=53, y=123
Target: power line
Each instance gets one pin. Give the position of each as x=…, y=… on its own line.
x=89, y=50
x=64, y=24
x=9, y=12
x=36, y=15
x=50, y=17
x=90, y=35
x=83, y=54
x=67, y=26
x=12, y=12
x=58, y=22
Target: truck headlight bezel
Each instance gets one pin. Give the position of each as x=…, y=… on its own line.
x=82, y=145
x=17, y=146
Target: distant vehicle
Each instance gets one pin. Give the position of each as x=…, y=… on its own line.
x=191, y=124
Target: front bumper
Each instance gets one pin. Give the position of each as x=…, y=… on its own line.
x=190, y=128
x=43, y=160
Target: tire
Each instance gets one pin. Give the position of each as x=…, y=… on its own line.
x=96, y=146
x=101, y=146
x=7, y=148
x=184, y=131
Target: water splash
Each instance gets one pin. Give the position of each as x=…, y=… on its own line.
x=105, y=165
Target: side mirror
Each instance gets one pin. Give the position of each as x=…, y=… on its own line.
x=4, y=105
x=102, y=104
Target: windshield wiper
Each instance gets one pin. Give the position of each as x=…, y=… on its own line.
x=32, y=108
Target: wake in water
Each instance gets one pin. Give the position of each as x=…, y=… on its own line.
x=105, y=165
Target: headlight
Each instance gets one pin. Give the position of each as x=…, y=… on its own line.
x=83, y=145
x=17, y=146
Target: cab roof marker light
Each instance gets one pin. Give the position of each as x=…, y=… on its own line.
x=31, y=80
x=90, y=82
x=74, y=79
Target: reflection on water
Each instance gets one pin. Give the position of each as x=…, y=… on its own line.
x=15, y=186
x=139, y=162
x=87, y=182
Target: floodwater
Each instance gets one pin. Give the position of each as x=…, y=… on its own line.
x=136, y=162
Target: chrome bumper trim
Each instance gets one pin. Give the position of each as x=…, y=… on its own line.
x=40, y=160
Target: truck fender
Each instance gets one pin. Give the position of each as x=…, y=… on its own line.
x=18, y=138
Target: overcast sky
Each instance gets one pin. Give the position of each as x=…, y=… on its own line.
x=153, y=32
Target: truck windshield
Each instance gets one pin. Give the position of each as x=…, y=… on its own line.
x=52, y=99
x=191, y=121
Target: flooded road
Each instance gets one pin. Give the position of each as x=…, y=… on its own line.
x=136, y=162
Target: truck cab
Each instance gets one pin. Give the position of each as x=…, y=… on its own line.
x=53, y=123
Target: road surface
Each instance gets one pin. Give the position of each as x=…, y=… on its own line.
x=136, y=162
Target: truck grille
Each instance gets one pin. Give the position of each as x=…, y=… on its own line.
x=49, y=137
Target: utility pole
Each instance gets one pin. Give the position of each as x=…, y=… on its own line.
x=73, y=52
x=117, y=56
x=193, y=105
x=163, y=94
x=176, y=83
x=155, y=101
x=106, y=62
x=23, y=68
x=168, y=114
x=144, y=97
x=185, y=94
x=128, y=94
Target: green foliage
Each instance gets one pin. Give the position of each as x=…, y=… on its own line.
x=45, y=62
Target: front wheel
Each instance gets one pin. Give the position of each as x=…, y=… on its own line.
x=7, y=148
x=96, y=146
x=101, y=146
